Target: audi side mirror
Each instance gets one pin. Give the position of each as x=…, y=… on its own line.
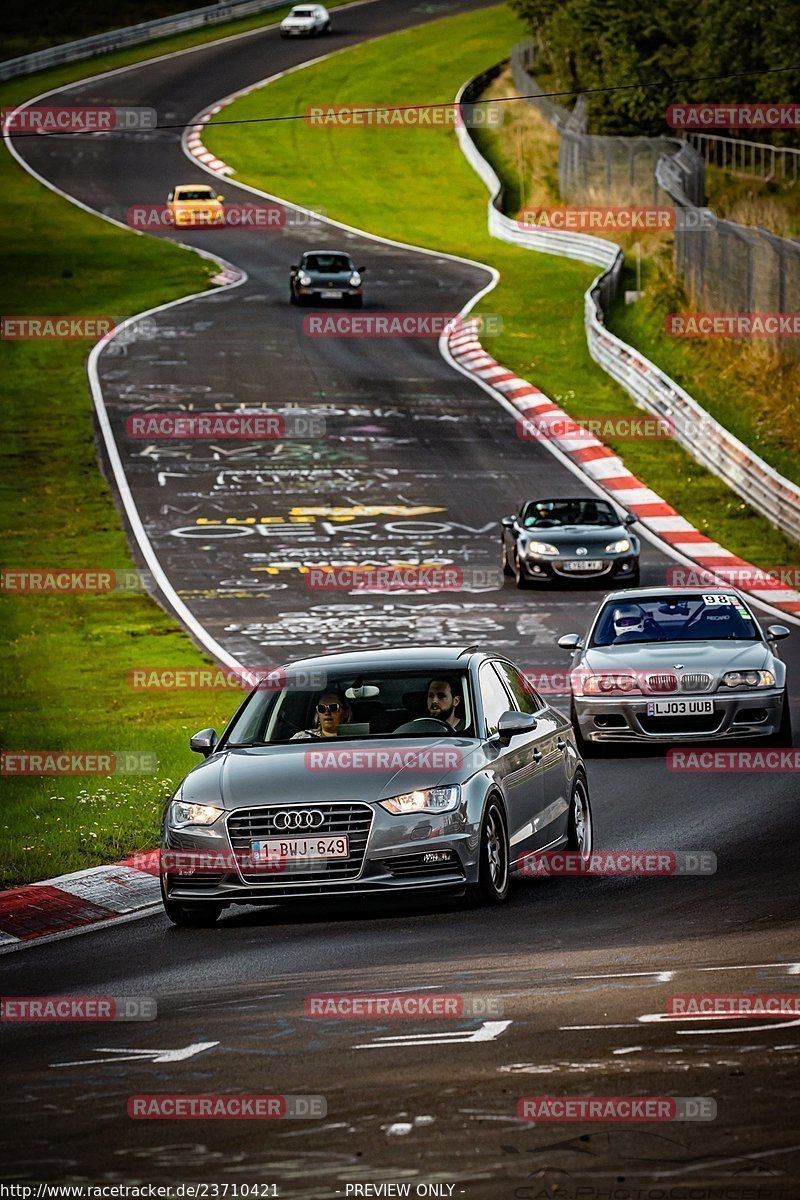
x=512, y=723
x=570, y=641
x=204, y=742
x=776, y=633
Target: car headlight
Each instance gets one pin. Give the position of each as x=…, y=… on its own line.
x=542, y=548
x=355, y=279
x=751, y=679
x=304, y=279
x=427, y=800
x=605, y=685
x=181, y=814
x=618, y=547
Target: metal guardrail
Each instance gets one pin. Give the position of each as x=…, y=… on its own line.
x=740, y=157
x=133, y=35
x=709, y=443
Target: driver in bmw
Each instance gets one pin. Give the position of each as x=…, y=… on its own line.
x=444, y=700
x=332, y=710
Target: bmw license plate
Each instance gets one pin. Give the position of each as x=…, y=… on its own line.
x=330, y=295
x=680, y=708
x=588, y=564
x=293, y=849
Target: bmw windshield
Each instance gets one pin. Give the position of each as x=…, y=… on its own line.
x=698, y=618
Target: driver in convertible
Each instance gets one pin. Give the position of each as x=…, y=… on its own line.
x=444, y=702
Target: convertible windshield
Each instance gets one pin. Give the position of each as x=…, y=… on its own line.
x=697, y=618
x=200, y=193
x=378, y=704
x=327, y=262
x=550, y=514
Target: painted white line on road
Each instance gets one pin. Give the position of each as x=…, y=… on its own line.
x=659, y=976
x=155, y=1056
x=488, y=1032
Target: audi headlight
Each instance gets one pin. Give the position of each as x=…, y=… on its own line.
x=355, y=279
x=618, y=547
x=750, y=679
x=304, y=279
x=427, y=800
x=181, y=814
x=542, y=548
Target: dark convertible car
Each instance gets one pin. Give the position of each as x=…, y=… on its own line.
x=581, y=538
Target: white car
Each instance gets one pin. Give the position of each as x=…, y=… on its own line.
x=306, y=20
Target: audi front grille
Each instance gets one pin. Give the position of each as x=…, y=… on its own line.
x=351, y=820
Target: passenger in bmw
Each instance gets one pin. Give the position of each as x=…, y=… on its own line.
x=332, y=710
x=444, y=700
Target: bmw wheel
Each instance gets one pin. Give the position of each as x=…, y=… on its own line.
x=493, y=866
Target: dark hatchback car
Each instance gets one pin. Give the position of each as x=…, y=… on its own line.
x=392, y=800
x=571, y=539
x=326, y=275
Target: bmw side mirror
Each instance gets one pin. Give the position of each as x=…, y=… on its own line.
x=507, y=522
x=204, y=742
x=570, y=641
x=630, y=519
x=512, y=723
x=777, y=633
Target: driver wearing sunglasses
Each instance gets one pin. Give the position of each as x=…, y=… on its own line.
x=332, y=710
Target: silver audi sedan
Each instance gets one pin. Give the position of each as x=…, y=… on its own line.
x=669, y=665
x=418, y=769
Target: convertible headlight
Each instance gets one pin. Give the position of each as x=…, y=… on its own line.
x=542, y=548
x=304, y=279
x=428, y=800
x=750, y=679
x=181, y=814
x=618, y=547
x=355, y=279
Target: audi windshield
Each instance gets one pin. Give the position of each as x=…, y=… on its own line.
x=378, y=704
x=697, y=618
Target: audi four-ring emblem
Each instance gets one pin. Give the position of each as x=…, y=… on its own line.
x=300, y=818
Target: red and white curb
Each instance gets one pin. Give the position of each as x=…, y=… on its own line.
x=193, y=142
x=608, y=471
x=70, y=902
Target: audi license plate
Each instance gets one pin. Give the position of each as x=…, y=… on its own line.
x=330, y=295
x=680, y=708
x=588, y=564
x=294, y=849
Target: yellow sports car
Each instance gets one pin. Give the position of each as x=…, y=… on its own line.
x=195, y=204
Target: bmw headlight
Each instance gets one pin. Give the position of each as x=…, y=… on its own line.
x=355, y=279
x=749, y=679
x=618, y=547
x=304, y=279
x=542, y=548
x=181, y=814
x=427, y=800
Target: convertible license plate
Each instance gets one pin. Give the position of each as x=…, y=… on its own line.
x=293, y=849
x=330, y=295
x=589, y=564
x=680, y=708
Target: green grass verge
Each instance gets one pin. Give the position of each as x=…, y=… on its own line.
x=414, y=185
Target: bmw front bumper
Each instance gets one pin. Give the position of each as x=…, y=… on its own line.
x=626, y=719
